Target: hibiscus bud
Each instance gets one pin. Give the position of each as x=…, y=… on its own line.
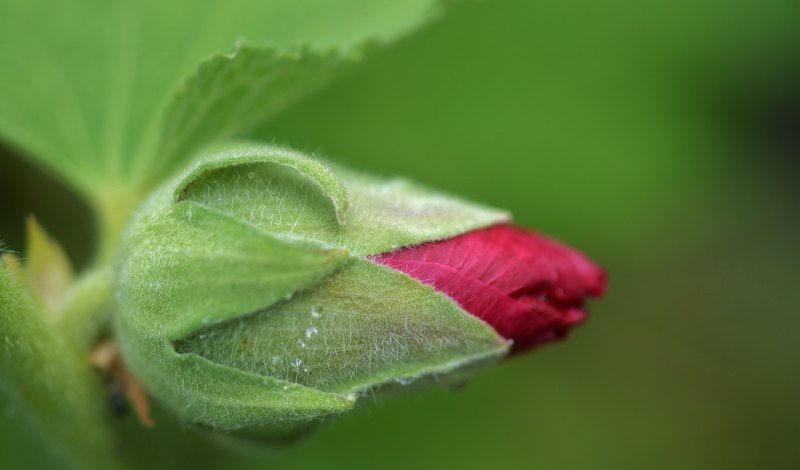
x=262, y=289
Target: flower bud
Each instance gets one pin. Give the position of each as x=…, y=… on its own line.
x=262, y=289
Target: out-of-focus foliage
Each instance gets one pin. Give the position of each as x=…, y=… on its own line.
x=88, y=81
x=624, y=129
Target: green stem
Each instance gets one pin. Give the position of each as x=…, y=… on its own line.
x=113, y=209
x=52, y=380
x=87, y=308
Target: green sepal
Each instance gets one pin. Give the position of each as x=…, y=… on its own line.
x=47, y=268
x=220, y=397
x=263, y=158
x=381, y=214
x=362, y=327
x=192, y=266
x=224, y=274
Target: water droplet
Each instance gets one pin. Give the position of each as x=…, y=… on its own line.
x=305, y=369
x=202, y=336
x=311, y=331
x=314, y=312
x=297, y=362
x=251, y=175
x=301, y=343
x=276, y=359
x=286, y=387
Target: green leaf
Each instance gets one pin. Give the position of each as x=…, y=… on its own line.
x=50, y=380
x=86, y=83
x=362, y=327
x=231, y=95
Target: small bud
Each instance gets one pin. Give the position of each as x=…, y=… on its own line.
x=257, y=292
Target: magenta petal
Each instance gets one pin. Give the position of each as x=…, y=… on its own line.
x=530, y=288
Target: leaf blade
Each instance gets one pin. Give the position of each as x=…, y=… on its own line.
x=230, y=95
x=86, y=102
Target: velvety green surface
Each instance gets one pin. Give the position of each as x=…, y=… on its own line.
x=614, y=127
x=224, y=273
x=48, y=376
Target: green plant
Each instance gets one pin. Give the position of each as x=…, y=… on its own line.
x=95, y=103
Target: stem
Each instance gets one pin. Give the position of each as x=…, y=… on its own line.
x=44, y=359
x=87, y=308
x=113, y=209
x=52, y=380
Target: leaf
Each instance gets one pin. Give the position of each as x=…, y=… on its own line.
x=231, y=95
x=48, y=269
x=87, y=82
x=363, y=327
x=382, y=214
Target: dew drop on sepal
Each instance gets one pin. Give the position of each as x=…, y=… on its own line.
x=404, y=380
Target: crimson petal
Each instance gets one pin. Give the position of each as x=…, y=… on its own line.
x=528, y=287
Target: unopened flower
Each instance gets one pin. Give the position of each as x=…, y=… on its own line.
x=262, y=289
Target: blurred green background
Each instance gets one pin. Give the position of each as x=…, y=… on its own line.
x=661, y=138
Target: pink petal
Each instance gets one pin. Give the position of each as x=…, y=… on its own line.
x=530, y=288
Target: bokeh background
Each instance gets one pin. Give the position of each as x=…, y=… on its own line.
x=663, y=139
